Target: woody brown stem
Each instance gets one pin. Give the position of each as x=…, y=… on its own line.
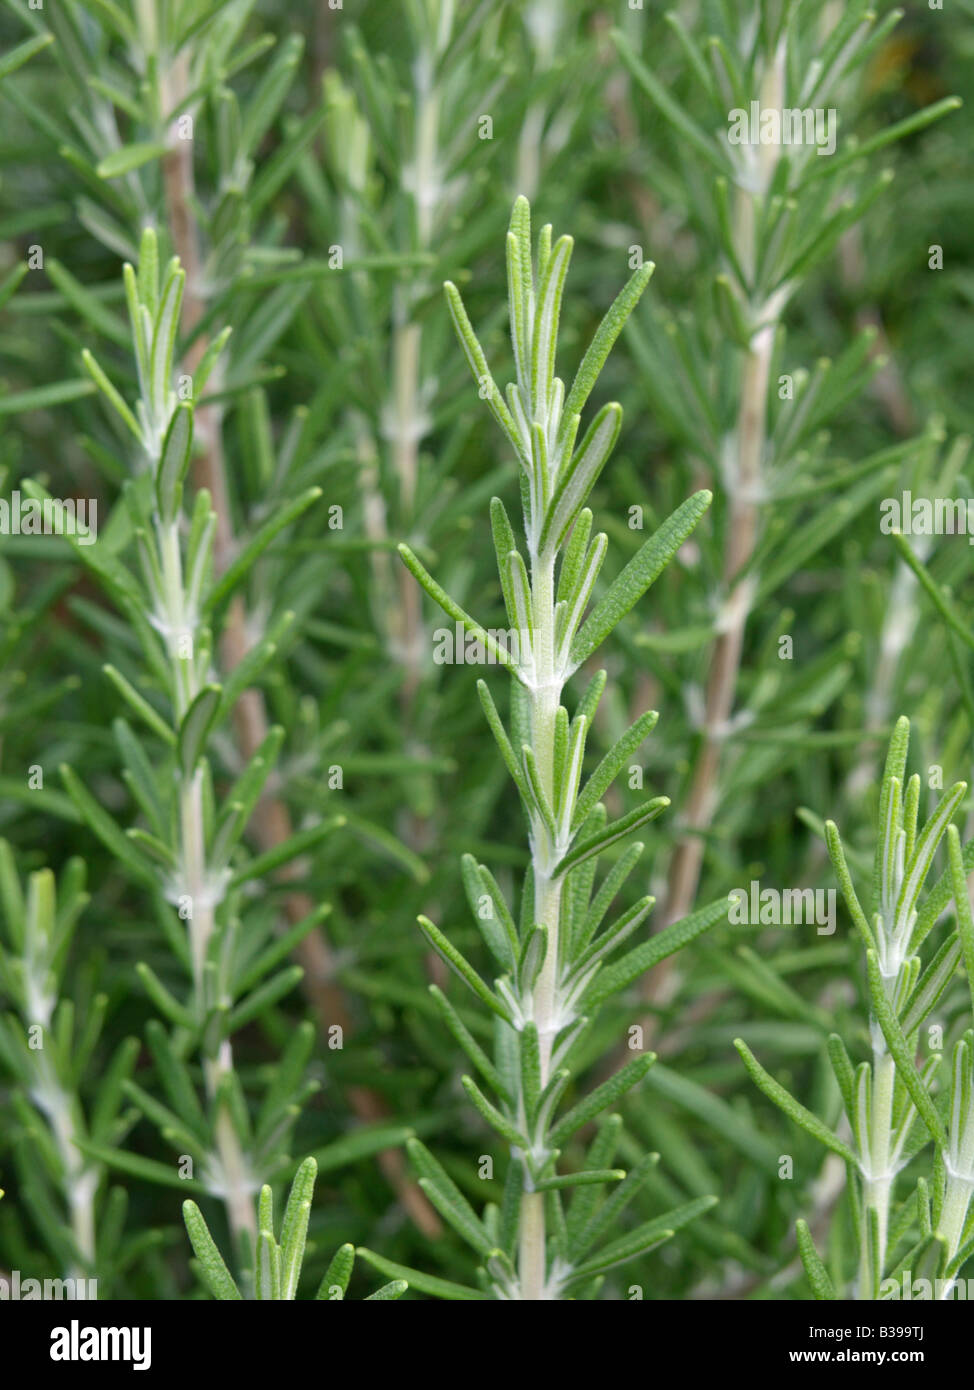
x=685, y=866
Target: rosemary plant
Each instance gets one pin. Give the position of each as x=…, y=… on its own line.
x=892, y=1107
x=774, y=210
x=187, y=851
x=317, y=170
x=776, y=330
x=46, y=1047
x=553, y=964
x=278, y=1262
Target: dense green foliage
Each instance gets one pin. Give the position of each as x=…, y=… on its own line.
x=244, y=753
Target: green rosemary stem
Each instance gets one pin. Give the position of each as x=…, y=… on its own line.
x=531, y=1267
x=957, y=1199
x=541, y=20
x=179, y=621
x=38, y=1035
x=408, y=427
x=542, y=991
x=877, y=1182
x=80, y=1181
x=408, y=420
x=271, y=822
x=545, y=701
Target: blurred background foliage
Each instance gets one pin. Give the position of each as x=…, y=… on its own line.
x=396, y=137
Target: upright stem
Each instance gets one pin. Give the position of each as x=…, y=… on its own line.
x=953, y=1218
x=407, y=421
x=877, y=1185
x=726, y=661
x=271, y=824
x=396, y=600
x=529, y=149
x=408, y=427
x=896, y=634
x=545, y=700
x=543, y=20
x=80, y=1182
x=235, y=1181
x=531, y=1267
x=744, y=484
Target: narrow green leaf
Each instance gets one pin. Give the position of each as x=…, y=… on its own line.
x=174, y=462
x=932, y=983
x=163, y=999
x=792, y=1108
x=818, y=1275
x=263, y=997
x=147, y=1169
x=669, y=106
x=105, y=827
x=361, y=1143
x=545, y=332
x=579, y=476
x=530, y=1071
x=611, y=765
x=88, y=305
x=425, y=1283
x=844, y=1074
x=477, y=361
x=837, y=855
x=589, y=1219
x=500, y=735
x=601, y=344
x=610, y=1091
x=933, y=591
x=906, y=1067
x=298, y=844
x=645, y=567
x=610, y=834
x=635, y=963
x=268, y=1273
x=258, y=543
x=965, y=920
x=454, y=610
x=140, y=705
x=447, y=1197
x=504, y=545
x=466, y=1040
x=394, y=1289
x=594, y=1176
x=462, y=967
x=334, y=1285
x=109, y=392
x=493, y=1116
x=294, y=1229
x=129, y=158
x=218, y=1278
x=197, y=725
x=23, y=52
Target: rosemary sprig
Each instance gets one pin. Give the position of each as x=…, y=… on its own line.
x=549, y=967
